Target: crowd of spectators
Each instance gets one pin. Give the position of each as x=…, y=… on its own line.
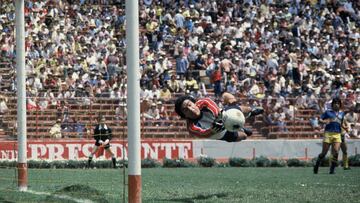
x=266, y=50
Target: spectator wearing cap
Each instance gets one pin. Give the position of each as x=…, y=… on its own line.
x=198, y=29
x=160, y=66
x=152, y=114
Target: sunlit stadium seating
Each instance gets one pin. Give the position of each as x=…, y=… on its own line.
x=39, y=123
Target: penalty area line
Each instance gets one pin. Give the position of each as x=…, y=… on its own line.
x=65, y=197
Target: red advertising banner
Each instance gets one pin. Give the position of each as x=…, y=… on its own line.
x=81, y=149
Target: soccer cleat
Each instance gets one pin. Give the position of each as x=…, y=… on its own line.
x=89, y=162
x=332, y=168
x=247, y=131
x=316, y=167
x=347, y=168
x=255, y=112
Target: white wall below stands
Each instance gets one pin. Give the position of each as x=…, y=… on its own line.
x=269, y=148
x=173, y=148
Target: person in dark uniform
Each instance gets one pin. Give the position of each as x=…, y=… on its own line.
x=102, y=136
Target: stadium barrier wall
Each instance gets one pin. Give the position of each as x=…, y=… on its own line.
x=167, y=148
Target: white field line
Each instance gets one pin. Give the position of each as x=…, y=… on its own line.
x=60, y=196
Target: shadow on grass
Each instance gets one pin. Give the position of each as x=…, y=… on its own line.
x=2, y=200
x=79, y=191
x=192, y=199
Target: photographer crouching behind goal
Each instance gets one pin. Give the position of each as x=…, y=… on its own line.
x=102, y=136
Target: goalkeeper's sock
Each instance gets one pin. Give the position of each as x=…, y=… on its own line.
x=89, y=161
x=113, y=159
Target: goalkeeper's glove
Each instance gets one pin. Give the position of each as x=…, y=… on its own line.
x=218, y=126
x=106, y=142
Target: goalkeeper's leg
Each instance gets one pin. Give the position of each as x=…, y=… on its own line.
x=113, y=159
x=91, y=155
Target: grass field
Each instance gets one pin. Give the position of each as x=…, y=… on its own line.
x=187, y=185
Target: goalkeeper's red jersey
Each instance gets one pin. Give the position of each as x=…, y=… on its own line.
x=202, y=127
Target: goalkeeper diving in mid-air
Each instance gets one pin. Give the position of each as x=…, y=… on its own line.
x=205, y=118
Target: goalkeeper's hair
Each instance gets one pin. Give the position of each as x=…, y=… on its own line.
x=178, y=103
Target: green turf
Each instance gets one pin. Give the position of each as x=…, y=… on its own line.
x=189, y=185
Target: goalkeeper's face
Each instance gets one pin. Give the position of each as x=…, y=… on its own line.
x=190, y=110
x=102, y=121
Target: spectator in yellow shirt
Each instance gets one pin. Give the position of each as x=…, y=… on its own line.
x=165, y=93
x=191, y=83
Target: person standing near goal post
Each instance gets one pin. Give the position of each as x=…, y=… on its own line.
x=350, y=120
x=102, y=136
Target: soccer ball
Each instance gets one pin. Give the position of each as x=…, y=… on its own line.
x=233, y=120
